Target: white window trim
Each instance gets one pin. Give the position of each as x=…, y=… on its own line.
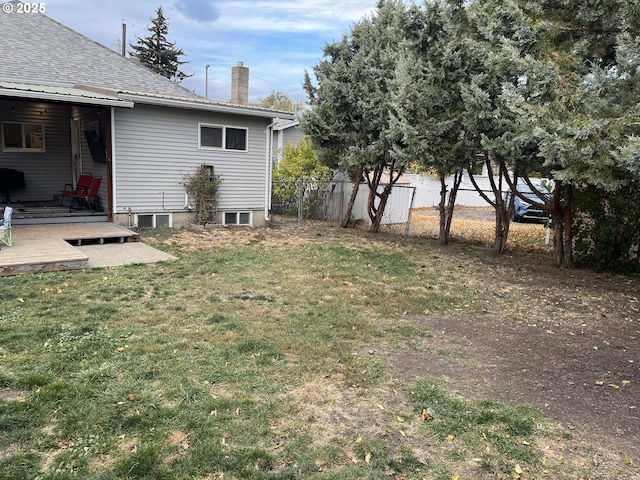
x=224, y=137
x=23, y=148
x=154, y=218
x=237, y=213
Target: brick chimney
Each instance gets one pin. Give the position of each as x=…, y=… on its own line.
x=240, y=84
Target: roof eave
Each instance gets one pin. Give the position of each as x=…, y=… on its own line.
x=33, y=95
x=205, y=106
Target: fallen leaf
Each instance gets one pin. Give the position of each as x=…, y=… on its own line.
x=131, y=396
x=426, y=416
x=455, y=477
x=400, y=419
x=626, y=382
x=613, y=385
x=21, y=300
x=517, y=469
x=450, y=438
x=367, y=457
x=598, y=383
x=543, y=460
x=358, y=440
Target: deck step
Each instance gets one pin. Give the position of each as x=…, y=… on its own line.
x=101, y=240
x=47, y=248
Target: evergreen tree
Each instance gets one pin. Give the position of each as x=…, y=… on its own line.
x=501, y=42
x=586, y=116
x=427, y=102
x=156, y=52
x=349, y=122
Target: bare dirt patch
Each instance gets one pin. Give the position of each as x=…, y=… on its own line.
x=10, y=394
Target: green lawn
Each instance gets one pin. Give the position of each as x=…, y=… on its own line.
x=243, y=362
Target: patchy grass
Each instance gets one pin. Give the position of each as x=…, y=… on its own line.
x=244, y=360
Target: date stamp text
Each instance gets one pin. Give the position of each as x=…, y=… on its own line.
x=24, y=7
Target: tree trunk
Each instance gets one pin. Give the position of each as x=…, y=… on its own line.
x=503, y=222
x=442, y=207
x=562, y=216
x=447, y=206
x=352, y=200
x=503, y=210
x=373, y=181
x=503, y=213
x=379, y=212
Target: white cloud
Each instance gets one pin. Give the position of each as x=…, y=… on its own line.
x=291, y=16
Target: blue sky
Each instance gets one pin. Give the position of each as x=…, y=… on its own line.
x=276, y=39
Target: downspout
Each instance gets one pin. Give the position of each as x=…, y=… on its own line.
x=269, y=153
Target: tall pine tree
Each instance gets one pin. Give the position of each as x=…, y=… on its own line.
x=158, y=53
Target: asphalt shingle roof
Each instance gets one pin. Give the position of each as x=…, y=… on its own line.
x=35, y=48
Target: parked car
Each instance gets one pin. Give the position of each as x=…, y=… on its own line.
x=523, y=209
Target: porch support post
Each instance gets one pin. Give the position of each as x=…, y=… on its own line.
x=109, y=146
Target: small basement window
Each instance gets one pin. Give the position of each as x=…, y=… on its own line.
x=221, y=137
x=152, y=220
x=22, y=137
x=237, y=218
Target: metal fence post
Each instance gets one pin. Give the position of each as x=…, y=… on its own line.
x=406, y=228
x=300, y=202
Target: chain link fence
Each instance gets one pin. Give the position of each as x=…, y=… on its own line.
x=410, y=210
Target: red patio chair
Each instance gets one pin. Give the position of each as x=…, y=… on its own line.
x=88, y=197
x=84, y=181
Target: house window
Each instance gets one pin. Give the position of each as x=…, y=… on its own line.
x=153, y=220
x=237, y=218
x=226, y=138
x=22, y=137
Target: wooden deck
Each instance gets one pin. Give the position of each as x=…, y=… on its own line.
x=46, y=248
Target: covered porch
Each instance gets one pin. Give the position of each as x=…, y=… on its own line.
x=49, y=135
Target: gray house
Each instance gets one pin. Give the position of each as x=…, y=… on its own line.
x=286, y=131
x=69, y=105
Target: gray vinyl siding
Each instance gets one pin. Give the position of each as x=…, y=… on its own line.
x=45, y=173
x=156, y=147
x=293, y=135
